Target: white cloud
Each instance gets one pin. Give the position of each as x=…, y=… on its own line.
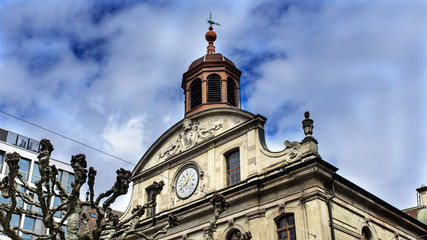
x=120, y=136
x=99, y=72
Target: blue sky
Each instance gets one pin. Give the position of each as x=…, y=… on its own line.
x=108, y=73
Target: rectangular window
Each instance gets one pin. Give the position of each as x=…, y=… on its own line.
x=286, y=228
x=233, y=168
x=15, y=220
x=28, y=225
x=11, y=138
x=36, y=173
x=150, y=197
x=69, y=182
x=59, y=177
x=56, y=203
x=33, y=145
x=22, y=141
x=24, y=167
x=19, y=202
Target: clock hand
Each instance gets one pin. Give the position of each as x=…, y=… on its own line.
x=187, y=179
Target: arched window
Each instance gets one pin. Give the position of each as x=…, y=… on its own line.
x=366, y=234
x=214, y=88
x=196, y=93
x=233, y=168
x=234, y=234
x=286, y=228
x=231, y=92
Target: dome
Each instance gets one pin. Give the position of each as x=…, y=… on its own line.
x=422, y=216
x=211, y=58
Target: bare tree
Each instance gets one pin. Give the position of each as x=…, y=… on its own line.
x=220, y=206
x=107, y=225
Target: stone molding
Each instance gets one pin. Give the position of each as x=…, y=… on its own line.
x=259, y=213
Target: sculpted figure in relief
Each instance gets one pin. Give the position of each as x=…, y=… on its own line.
x=189, y=136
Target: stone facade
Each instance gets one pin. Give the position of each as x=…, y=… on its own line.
x=273, y=184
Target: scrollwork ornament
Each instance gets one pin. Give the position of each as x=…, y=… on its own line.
x=188, y=137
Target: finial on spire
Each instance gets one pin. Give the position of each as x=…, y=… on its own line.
x=211, y=35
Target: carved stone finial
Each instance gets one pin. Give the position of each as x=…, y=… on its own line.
x=307, y=126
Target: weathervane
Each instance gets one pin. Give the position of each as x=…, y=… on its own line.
x=210, y=21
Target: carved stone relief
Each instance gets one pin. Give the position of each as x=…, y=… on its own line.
x=292, y=150
x=190, y=134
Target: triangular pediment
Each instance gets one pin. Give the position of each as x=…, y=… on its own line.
x=189, y=133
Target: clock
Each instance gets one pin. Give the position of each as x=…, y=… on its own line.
x=187, y=182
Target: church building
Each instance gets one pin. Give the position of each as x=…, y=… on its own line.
x=220, y=148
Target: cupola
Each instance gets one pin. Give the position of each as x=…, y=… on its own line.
x=211, y=81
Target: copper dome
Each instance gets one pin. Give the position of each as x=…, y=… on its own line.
x=210, y=58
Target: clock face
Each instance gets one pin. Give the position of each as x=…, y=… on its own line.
x=187, y=182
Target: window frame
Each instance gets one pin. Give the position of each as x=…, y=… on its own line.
x=150, y=211
x=33, y=174
x=287, y=228
x=27, y=218
x=24, y=174
x=68, y=186
x=232, y=172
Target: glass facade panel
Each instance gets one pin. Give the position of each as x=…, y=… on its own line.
x=69, y=182
x=19, y=202
x=28, y=225
x=11, y=138
x=36, y=173
x=15, y=220
x=56, y=203
x=59, y=177
x=24, y=167
x=22, y=141
x=33, y=145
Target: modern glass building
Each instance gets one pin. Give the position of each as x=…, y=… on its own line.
x=28, y=149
